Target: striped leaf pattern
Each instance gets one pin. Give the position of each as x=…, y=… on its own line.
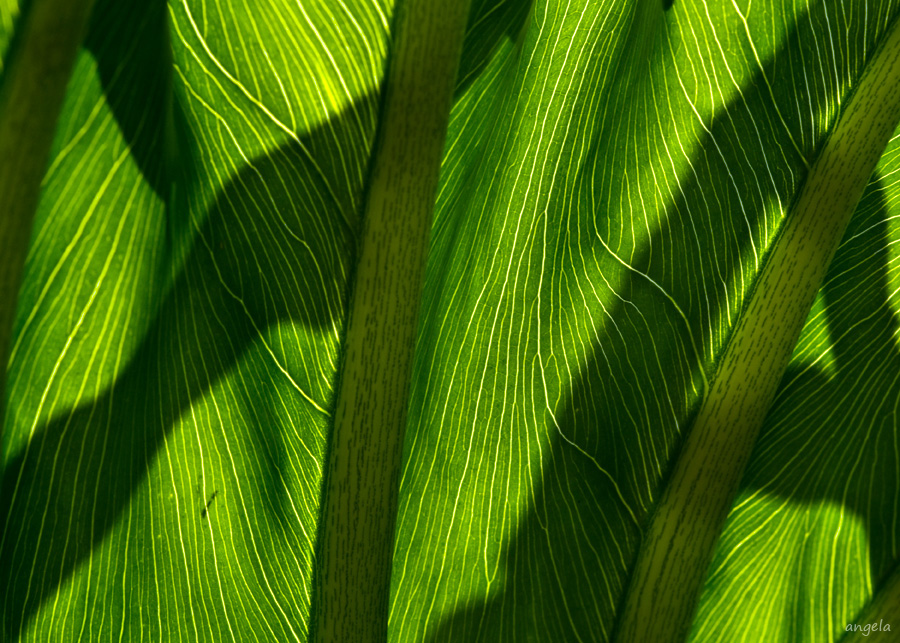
x=613, y=177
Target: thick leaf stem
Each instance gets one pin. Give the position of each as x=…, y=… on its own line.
x=357, y=528
x=683, y=532
x=31, y=97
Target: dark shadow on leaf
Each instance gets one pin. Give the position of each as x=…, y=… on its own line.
x=830, y=437
x=273, y=249
x=564, y=572
x=831, y=434
x=490, y=25
x=130, y=41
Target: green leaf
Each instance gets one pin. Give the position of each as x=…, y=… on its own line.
x=179, y=321
x=689, y=516
x=614, y=177
x=815, y=528
x=9, y=12
x=31, y=96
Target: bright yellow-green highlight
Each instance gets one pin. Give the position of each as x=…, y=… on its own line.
x=679, y=543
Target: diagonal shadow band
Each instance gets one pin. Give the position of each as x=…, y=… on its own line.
x=545, y=580
x=267, y=254
x=831, y=433
x=274, y=248
x=566, y=567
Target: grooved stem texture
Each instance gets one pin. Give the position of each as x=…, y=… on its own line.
x=360, y=503
x=683, y=531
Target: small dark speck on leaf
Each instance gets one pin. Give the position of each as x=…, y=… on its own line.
x=667, y=4
x=208, y=503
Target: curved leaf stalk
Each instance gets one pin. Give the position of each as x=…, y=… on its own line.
x=357, y=528
x=31, y=97
x=682, y=533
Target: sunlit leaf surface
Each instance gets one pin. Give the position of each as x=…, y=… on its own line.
x=178, y=327
x=613, y=176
